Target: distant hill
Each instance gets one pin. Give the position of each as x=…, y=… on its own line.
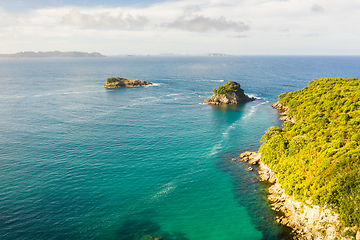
x=50, y=54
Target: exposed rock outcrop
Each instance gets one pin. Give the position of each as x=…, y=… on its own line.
x=283, y=111
x=230, y=98
x=123, y=82
x=252, y=157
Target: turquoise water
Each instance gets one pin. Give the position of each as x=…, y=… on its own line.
x=79, y=161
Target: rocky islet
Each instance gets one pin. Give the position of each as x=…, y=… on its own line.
x=117, y=82
x=229, y=93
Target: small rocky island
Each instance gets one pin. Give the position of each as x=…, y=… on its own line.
x=117, y=82
x=229, y=93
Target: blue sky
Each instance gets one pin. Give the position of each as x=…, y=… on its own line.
x=238, y=27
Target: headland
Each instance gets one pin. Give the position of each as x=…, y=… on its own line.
x=313, y=161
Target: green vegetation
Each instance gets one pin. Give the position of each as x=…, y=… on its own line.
x=116, y=80
x=318, y=157
x=230, y=87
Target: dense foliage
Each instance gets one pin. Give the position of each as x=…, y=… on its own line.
x=230, y=87
x=116, y=79
x=318, y=157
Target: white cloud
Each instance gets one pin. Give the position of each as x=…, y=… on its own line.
x=7, y=18
x=317, y=8
x=103, y=19
x=185, y=26
x=7, y=36
x=198, y=23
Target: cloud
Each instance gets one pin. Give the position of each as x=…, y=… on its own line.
x=241, y=36
x=317, y=8
x=103, y=19
x=6, y=17
x=7, y=36
x=198, y=23
x=311, y=35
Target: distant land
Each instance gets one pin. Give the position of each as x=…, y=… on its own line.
x=218, y=55
x=30, y=54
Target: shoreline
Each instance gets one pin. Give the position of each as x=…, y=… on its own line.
x=307, y=221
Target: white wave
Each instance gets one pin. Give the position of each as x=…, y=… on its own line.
x=146, y=98
x=253, y=110
x=62, y=93
x=164, y=190
x=253, y=95
x=154, y=84
x=215, y=149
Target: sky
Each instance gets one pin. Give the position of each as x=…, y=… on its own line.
x=141, y=27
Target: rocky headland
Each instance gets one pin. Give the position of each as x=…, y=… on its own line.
x=312, y=162
x=123, y=82
x=283, y=111
x=307, y=221
x=229, y=93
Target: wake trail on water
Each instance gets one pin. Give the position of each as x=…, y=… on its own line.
x=225, y=134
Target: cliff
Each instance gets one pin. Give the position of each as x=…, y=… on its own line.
x=229, y=93
x=306, y=220
x=123, y=82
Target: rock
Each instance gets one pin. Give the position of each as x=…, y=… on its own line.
x=307, y=221
x=250, y=168
x=233, y=159
x=283, y=112
x=280, y=107
x=272, y=178
x=245, y=154
x=245, y=159
x=357, y=235
x=254, y=158
x=230, y=98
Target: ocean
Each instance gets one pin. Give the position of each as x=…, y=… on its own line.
x=78, y=161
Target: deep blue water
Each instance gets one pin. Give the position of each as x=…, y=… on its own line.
x=78, y=161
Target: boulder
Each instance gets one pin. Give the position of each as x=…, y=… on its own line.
x=254, y=158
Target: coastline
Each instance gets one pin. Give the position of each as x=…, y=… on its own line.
x=306, y=220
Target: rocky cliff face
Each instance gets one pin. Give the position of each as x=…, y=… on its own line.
x=230, y=98
x=307, y=221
